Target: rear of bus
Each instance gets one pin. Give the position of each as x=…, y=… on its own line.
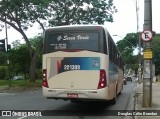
x=74, y=63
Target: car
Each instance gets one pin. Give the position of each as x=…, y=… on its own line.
x=17, y=77
x=124, y=81
x=129, y=78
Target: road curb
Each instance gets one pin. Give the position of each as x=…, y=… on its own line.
x=135, y=101
x=3, y=88
x=17, y=89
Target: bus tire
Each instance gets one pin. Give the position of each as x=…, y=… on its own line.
x=113, y=101
x=121, y=90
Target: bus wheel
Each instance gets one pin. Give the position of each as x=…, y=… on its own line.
x=121, y=90
x=113, y=101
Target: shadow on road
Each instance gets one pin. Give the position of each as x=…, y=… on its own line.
x=81, y=109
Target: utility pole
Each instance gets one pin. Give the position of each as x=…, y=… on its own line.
x=7, y=48
x=147, y=57
x=139, y=39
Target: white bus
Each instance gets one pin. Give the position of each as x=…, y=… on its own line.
x=81, y=62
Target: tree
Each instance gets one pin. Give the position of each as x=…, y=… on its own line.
x=18, y=55
x=126, y=50
x=129, y=41
x=16, y=44
x=3, y=58
x=65, y=12
x=21, y=14
x=3, y=63
x=3, y=72
x=156, y=53
x=34, y=42
x=19, y=61
x=126, y=46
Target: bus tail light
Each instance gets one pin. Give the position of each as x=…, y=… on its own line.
x=102, y=81
x=44, y=76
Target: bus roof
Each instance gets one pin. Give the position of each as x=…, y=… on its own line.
x=77, y=26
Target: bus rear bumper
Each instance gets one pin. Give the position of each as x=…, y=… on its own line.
x=100, y=94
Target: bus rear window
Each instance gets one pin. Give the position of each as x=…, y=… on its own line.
x=72, y=41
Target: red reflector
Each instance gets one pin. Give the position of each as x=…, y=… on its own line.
x=102, y=80
x=45, y=84
x=44, y=78
x=101, y=84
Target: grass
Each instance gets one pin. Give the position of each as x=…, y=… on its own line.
x=3, y=82
x=21, y=83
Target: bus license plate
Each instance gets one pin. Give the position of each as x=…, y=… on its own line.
x=72, y=95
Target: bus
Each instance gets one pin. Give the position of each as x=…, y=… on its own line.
x=81, y=63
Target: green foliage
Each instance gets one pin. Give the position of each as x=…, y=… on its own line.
x=35, y=41
x=39, y=74
x=67, y=12
x=22, y=14
x=126, y=46
x=19, y=60
x=3, y=58
x=3, y=82
x=21, y=83
x=58, y=12
x=3, y=63
x=127, y=49
x=3, y=72
x=129, y=42
x=16, y=44
x=156, y=53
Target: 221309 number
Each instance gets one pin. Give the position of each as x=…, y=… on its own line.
x=71, y=67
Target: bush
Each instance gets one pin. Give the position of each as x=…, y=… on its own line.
x=3, y=72
x=39, y=74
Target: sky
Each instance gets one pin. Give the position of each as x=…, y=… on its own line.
x=124, y=21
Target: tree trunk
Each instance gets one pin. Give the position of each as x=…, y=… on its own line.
x=32, y=70
x=33, y=62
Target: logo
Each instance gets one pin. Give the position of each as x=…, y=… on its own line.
x=95, y=62
x=6, y=113
x=69, y=38
x=21, y=113
x=59, y=38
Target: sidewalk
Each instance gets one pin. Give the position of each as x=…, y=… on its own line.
x=155, y=100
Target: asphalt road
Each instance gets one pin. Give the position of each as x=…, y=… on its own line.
x=35, y=101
